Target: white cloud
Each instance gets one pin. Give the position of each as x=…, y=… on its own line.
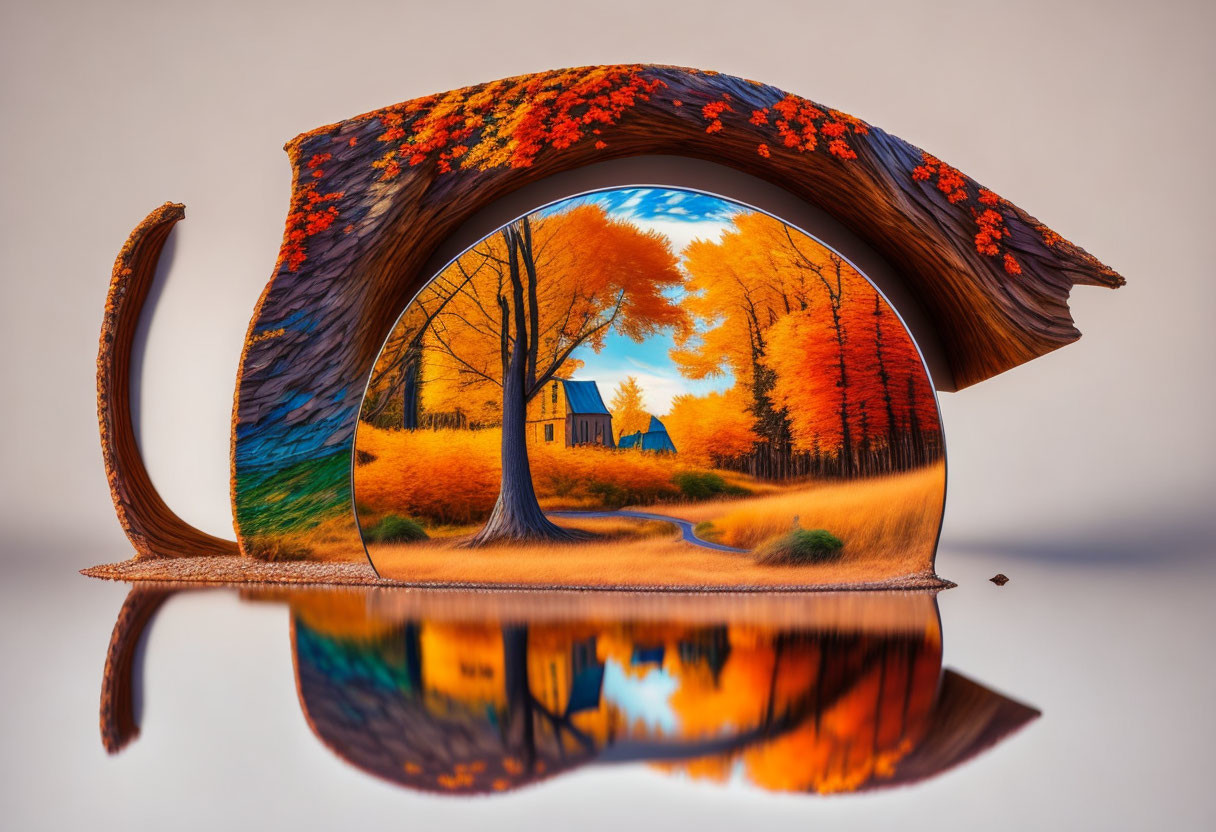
x=658, y=388
x=682, y=232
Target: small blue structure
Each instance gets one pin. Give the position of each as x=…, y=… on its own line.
x=655, y=439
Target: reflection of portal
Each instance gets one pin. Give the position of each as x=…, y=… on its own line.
x=697, y=362
x=466, y=693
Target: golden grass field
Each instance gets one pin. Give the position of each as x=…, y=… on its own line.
x=889, y=526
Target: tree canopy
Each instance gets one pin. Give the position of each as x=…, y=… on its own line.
x=592, y=276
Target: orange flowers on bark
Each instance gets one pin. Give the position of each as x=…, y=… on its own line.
x=507, y=123
x=311, y=213
x=990, y=238
x=799, y=124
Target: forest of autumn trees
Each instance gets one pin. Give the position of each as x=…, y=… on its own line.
x=820, y=377
x=832, y=382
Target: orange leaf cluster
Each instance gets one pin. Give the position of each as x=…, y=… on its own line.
x=309, y=215
x=508, y=122
x=799, y=124
x=989, y=240
x=1050, y=238
x=713, y=111
x=992, y=228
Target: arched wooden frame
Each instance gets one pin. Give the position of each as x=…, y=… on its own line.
x=375, y=196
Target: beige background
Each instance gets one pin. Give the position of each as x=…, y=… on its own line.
x=1086, y=475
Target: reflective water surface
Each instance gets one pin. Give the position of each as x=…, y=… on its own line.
x=474, y=693
x=280, y=709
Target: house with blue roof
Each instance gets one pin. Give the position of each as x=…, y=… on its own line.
x=570, y=413
x=655, y=439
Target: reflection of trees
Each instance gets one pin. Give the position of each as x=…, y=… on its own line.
x=481, y=707
x=802, y=709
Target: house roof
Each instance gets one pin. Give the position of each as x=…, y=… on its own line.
x=651, y=440
x=584, y=397
x=656, y=425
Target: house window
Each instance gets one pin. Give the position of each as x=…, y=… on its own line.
x=555, y=396
x=549, y=433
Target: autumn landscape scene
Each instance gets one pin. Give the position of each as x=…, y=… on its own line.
x=649, y=388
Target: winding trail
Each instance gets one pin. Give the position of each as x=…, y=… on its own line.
x=686, y=527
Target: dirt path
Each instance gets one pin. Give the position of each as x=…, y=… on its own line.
x=686, y=527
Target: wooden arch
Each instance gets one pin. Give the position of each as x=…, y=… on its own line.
x=375, y=196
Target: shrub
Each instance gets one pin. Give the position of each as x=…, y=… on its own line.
x=705, y=485
x=801, y=546
x=706, y=530
x=562, y=485
x=393, y=528
x=611, y=495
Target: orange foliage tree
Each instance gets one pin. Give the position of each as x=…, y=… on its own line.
x=833, y=380
x=628, y=414
x=712, y=428
x=525, y=299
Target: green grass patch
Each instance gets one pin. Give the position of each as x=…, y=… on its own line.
x=393, y=528
x=801, y=546
x=705, y=485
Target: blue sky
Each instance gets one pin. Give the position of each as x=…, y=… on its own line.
x=682, y=216
x=646, y=700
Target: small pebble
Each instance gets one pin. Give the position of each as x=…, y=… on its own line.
x=999, y=579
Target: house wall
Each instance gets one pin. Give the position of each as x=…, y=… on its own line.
x=548, y=408
x=589, y=429
x=536, y=431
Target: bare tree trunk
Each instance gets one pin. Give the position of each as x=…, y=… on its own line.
x=517, y=515
x=412, y=369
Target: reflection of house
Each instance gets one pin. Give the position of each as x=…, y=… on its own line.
x=464, y=706
x=569, y=413
x=567, y=678
x=655, y=438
